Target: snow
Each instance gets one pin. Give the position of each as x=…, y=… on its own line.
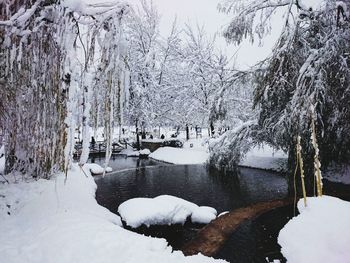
x=2, y=165
x=163, y=210
x=2, y=159
x=203, y=215
x=59, y=221
x=94, y=168
x=130, y=152
x=109, y=169
x=339, y=174
x=321, y=232
x=265, y=158
x=153, y=140
x=223, y=213
x=180, y=155
x=145, y=152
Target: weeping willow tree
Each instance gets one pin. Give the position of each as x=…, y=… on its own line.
x=46, y=76
x=309, y=69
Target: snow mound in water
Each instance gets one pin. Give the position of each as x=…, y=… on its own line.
x=145, y=152
x=163, y=210
x=94, y=168
x=321, y=232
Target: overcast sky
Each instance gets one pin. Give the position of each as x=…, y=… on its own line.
x=204, y=12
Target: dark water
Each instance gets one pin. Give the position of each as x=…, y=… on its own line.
x=256, y=240
x=194, y=183
x=203, y=186
x=121, y=162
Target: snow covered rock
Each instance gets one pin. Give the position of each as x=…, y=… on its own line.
x=96, y=169
x=203, y=215
x=145, y=152
x=321, y=233
x=163, y=210
x=109, y=169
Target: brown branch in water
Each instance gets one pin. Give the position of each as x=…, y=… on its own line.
x=213, y=236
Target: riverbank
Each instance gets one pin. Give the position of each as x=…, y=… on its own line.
x=195, y=151
x=59, y=220
x=321, y=232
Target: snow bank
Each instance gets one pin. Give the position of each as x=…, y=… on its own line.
x=339, y=174
x=59, y=221
x=131, y=153
x=180, y=155
x=265, y=158
x=321, y=233
x=163, y=210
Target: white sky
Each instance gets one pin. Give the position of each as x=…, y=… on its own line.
x=204, y=12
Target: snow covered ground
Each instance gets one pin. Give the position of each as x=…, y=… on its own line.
x=2, y=165
x=2, y=159
x=260, y=157
x=266, y=158
x=180, y=155
x=163, y=210
x=338, y=174
x=60, y=221
x=321, y=233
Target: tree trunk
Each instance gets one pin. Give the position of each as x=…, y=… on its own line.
x=137, y=137
x=187, y=132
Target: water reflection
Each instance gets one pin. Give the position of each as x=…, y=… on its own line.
x=195, y=183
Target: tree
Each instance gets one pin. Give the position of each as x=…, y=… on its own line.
x=309, y=68
x=40, y=69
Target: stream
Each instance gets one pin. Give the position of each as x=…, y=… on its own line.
x=254, y=240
